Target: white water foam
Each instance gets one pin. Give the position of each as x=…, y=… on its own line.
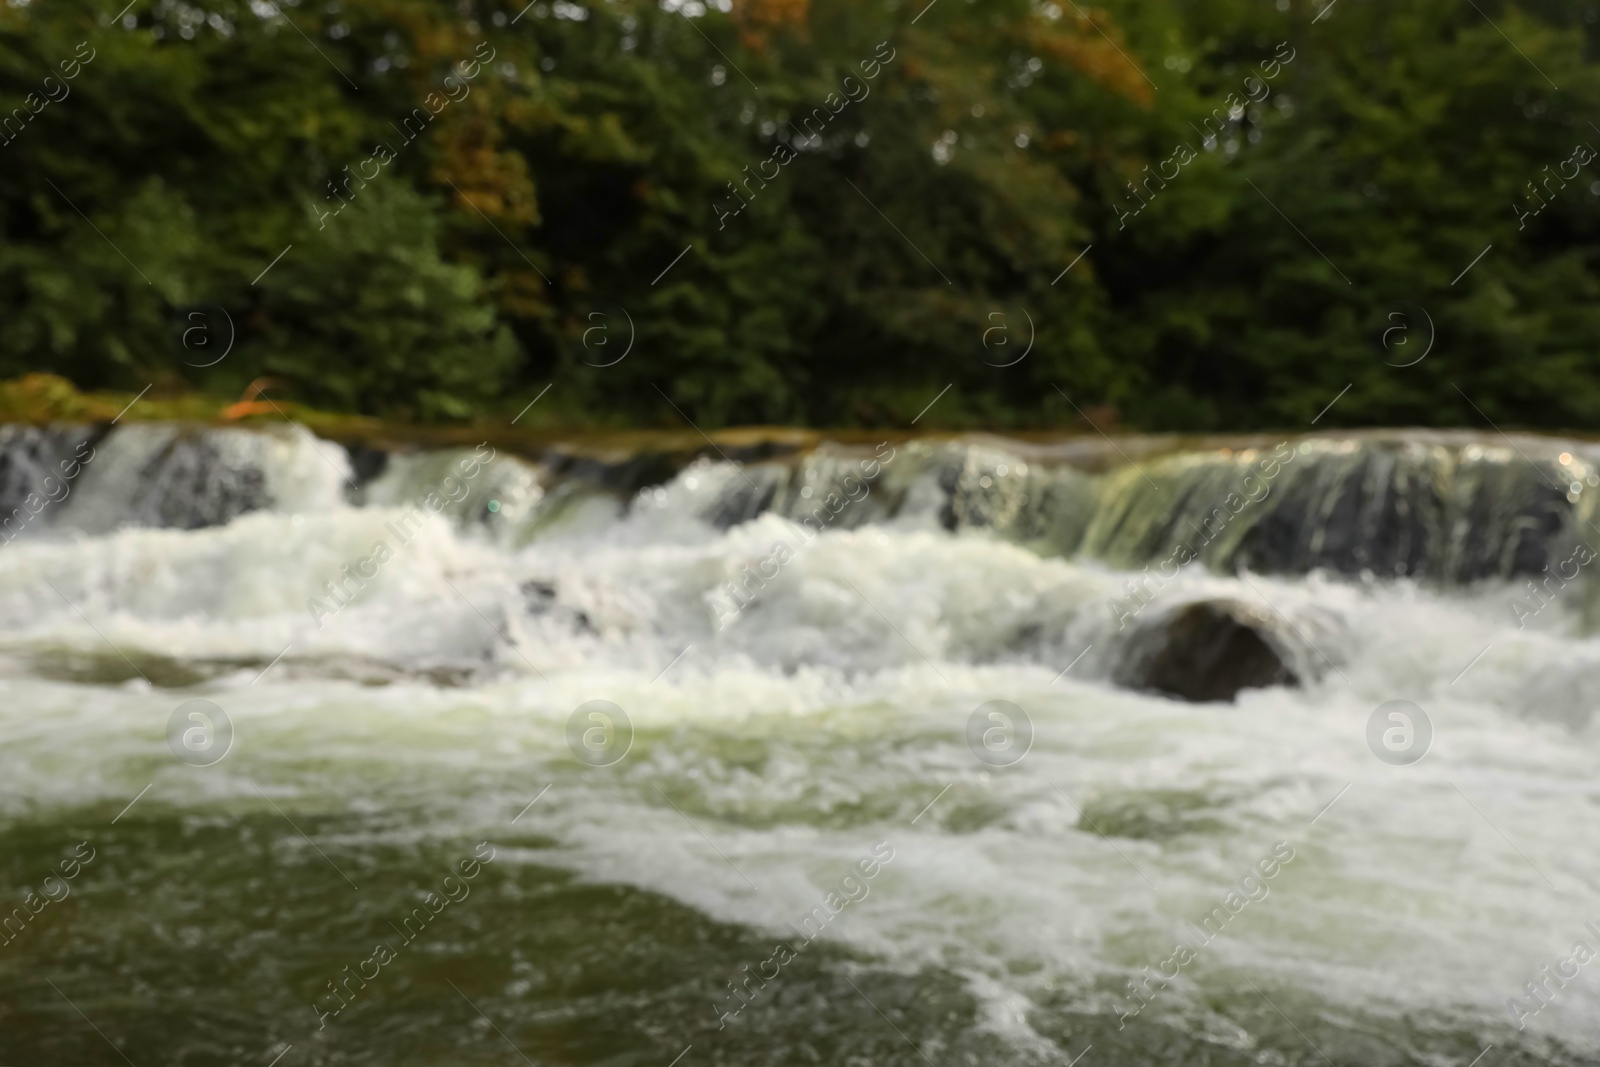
x=831, y=712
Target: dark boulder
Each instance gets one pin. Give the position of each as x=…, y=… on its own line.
x=1207, y=651
x=203, y=478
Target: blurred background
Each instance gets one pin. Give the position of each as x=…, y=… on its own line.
x=1262, y=183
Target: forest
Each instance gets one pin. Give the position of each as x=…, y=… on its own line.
x=1207, y=215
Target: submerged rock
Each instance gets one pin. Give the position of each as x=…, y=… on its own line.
x=1207, y=651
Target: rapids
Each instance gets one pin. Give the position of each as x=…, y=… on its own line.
x=407, y=645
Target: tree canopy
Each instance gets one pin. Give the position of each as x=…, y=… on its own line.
x=1190, y=214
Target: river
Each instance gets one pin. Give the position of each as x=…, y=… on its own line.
x=824, y=756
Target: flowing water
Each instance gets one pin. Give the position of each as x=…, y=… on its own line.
x=795, y=834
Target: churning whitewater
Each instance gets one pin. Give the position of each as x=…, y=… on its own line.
x=799, y=642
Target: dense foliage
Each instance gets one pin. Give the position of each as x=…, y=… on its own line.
x=481, y=198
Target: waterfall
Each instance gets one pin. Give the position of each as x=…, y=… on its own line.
x=1450, y=509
